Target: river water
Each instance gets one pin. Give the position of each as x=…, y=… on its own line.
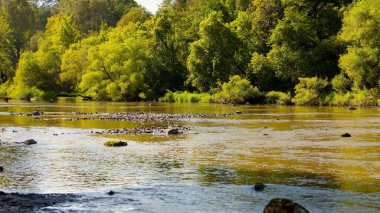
x=298, y=152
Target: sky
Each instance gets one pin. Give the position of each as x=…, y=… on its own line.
x=151, y=5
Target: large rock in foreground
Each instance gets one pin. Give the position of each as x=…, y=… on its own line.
x=14, y=202
x=280, y=205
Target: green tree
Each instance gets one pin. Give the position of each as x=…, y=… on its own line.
x=216, y=56
x=17, y=25
x=136, y=14
x=265, y=16
x=41, y=69
x=90, y=15
x=168, y=52
x=117, y=67
x=361, y=31
x=304, y=46
x=262, y=73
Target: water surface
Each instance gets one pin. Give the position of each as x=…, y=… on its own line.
x=296, y=151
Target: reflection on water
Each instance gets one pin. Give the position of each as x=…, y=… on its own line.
x=298, y=151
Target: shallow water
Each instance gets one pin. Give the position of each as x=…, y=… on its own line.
x=297, y=151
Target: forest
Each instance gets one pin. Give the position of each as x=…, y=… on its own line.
x=301, y=52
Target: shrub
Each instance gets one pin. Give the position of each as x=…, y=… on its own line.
x=365, y=97
x=168, y=97
x=29, y=93
x=341, y=99
x=280, y=98
x=237, y=90
x=310, y=91
x=186, y=97
x=340, y=84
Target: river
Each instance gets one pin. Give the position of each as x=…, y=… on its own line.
x=298, y=152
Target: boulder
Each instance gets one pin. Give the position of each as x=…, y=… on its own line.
x=172, y=132
x=36, y=113
x=346, y=135
x=281, y=205
x=259, y=187
x=30, y=142
x=115, y=143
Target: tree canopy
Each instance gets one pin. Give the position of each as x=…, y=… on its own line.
x=318, y=52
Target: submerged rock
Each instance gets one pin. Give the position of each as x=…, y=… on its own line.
x=346, y=135
x=259, y=187
x=30, y=142
x=173, y=132
x=115, y=143
x=281, y=205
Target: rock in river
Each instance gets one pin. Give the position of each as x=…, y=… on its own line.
x=172, y=132
x=259, y=187
x=30, y=142
x=281, y=205
x=1, y=169
x=346, y=135
x=36, y=113
x=115, y=143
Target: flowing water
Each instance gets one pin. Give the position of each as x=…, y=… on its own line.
x=298, y=152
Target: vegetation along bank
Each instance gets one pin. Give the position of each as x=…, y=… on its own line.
x=223, y=51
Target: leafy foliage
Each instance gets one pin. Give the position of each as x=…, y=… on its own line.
x=310, y=91
x=280, y=98
x=218, y=54
x=226, y=51
x=237, y=90
x=186, y=97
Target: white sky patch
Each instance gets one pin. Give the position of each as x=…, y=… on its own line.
x=151, y=5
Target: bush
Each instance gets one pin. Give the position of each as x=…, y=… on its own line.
x=30, y=93
x=340, y=83
x=238, y=90
x=365, y=97
x=341, y=99
x=280, y=98
x=310, y=91
x=6, y=89
x=186, y=97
